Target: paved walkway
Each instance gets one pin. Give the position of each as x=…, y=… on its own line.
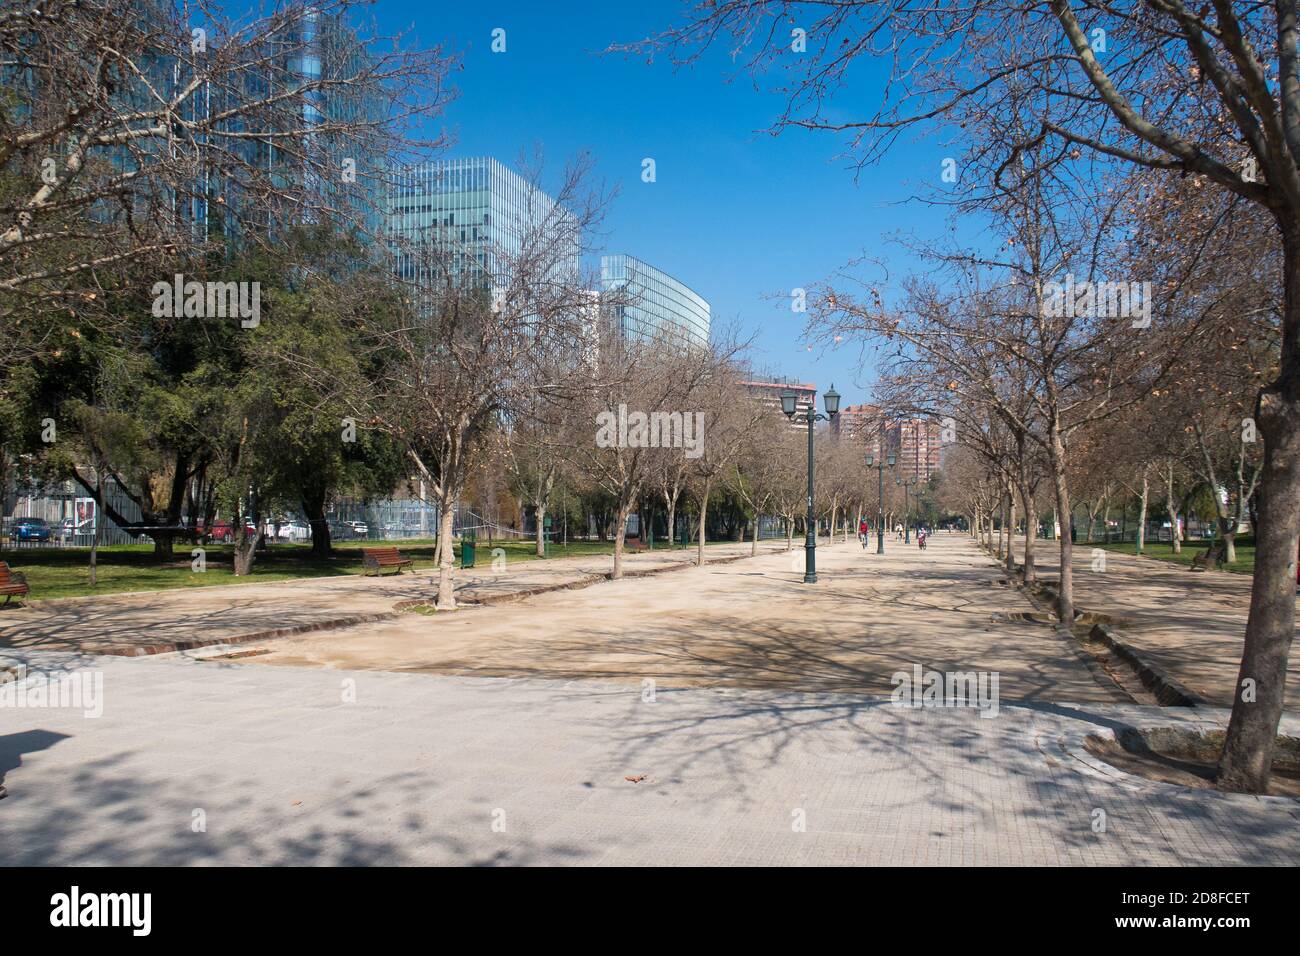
x=131, y=623
x=1191, y=623
x=274, y=767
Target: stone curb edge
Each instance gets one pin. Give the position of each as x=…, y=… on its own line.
x=147, y=650
x=1167, y=690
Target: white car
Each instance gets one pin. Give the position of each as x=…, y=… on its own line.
x=295, y=531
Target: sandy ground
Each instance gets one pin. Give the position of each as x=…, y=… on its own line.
x=122, y=623
x=1190, y=623
x=746, y=624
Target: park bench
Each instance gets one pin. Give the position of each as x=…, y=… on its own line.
x=11, y=583
x=1209, y=560
x=377, y=559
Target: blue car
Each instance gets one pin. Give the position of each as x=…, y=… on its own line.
x=32, y=529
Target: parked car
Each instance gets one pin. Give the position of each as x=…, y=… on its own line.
x=222, y=531
x=32, y=529
x=292, y=531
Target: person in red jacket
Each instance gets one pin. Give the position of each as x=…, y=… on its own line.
x=862, y=532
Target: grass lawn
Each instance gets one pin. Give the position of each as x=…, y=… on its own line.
x=1164, y=551
x=62, y=572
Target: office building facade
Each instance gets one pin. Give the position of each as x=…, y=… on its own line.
x=651, y=304
x=478, y=214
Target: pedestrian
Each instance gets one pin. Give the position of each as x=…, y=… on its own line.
x=862, y=532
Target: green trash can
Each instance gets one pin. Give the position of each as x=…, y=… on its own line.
x=467, y=550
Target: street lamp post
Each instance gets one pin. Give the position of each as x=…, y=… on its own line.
x=880, y=516
x=907, y=508
x=832, y=399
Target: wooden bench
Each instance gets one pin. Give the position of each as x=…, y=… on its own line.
x=377, y=559
x=1209, y=560
x=11, y=583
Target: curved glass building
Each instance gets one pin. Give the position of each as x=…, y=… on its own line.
x=655, y=302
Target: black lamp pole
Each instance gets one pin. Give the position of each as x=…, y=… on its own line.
x=880, y=516
x=907, y=508
x=788, y=399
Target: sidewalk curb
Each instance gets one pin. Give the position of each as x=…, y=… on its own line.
x=148, y=650
x=1168, y=691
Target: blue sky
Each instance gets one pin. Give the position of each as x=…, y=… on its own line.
x=738, y=215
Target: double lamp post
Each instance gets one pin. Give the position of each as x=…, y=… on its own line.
x=880, y=516
x=788, y=406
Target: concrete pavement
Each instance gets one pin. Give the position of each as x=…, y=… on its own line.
x=205, y=763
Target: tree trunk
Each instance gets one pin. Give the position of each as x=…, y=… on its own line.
x=671, y=501
x=1065, y=588
x=245, y=548
x=446, y=551
x=1031, y=522
x=1228, y=529
x=620, y=536
x=94, y=541
x=789, y=534
x=704, y=509
x=541, y=532
x=1248, y=750
x=1142, y=512
x=1175, y=539
x=1011, y=533
x=313, y=506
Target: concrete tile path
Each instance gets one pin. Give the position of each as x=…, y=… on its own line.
x=195, y=763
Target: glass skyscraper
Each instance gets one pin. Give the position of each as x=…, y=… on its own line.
x=479, y=213
x=655, y=304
